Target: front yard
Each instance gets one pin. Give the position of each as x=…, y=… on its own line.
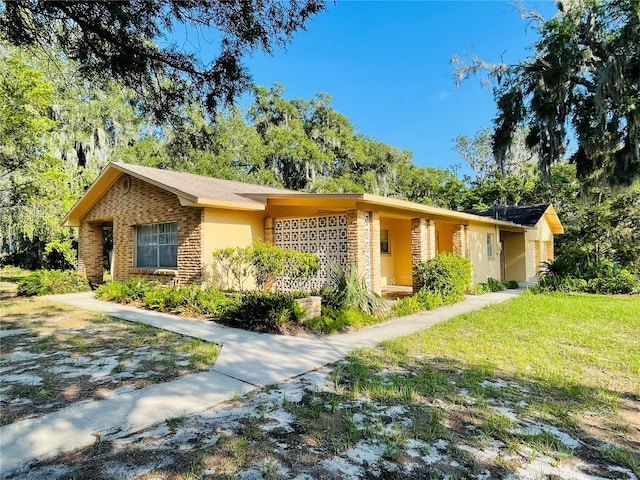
x=52, y=356
x=543, y=386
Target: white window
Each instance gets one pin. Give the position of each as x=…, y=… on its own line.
x=490, y=245
x=157, y=245
x=384, y=241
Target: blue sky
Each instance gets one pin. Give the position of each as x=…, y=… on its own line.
x=386, y=64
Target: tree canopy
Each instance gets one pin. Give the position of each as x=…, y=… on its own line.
x=132, y=41
x=58, y=131
x=582, y=81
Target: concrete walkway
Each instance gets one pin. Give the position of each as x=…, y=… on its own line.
x=247, y=361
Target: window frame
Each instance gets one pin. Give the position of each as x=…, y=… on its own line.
x=154, y=241
x=491, y=245
x=388, y=242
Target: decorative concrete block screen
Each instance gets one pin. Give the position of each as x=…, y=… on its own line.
x=324, y=236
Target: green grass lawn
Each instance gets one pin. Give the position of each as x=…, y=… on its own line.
x=541, y=386
x=576, y=343
x=568, y=361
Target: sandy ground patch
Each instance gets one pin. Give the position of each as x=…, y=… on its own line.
x=52, y=357
x=307, y=428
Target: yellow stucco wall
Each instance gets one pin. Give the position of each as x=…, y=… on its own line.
x=482, y=266
x=514, y=245
x=395, y=267
x=444, y=232
x=539, y=248
x=226, y=228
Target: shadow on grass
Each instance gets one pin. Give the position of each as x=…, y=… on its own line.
x=466, y=405
x=507, y=407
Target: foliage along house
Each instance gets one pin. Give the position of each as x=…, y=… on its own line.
x=167, y=224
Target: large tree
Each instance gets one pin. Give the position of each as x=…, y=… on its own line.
x=582, y=81
x=138, y=41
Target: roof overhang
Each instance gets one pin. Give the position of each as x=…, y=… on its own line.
x=384, y=205
x=110, y=175
x=107, y=177
x=553, y=220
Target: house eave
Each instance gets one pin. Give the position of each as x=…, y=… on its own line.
x=391, y=206
x=213, y=203
x=113, y=171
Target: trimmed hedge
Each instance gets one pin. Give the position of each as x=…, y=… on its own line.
x=50, y=282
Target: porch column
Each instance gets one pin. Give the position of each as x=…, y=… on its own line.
x=423, y=243
x=375, y=252
x=461, y=240
x=356, y=243
x=431, y=238
x=268, y=231
x=90, y=244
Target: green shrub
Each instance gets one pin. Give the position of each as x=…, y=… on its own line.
x=48, y=282
x=512, y=284
x=421, y=301
x=478, y=289
x=266, y=264
x=154, y=298
x=494, y=285
x=580, y=271
x=300, y=267
x=622, y=283
x=447, y=274
x=236, y=263
x=133, y=290
x=553, y=283
x=332, y=321
x=60, y=255
x=212, y=302
x=429, y=300
x=407, y=306
x=348, y=291
x=577, y=263
x=187, y=300
x=263, y=311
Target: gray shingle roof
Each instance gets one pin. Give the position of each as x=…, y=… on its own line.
x=527, y=215
x=199, y=186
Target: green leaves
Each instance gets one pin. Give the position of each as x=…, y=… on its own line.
x=126, y=41
x=580, y=82
x=25, y=97
x=265, y=264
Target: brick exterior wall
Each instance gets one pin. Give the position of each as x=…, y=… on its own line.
x=431, y=239
x=357, y=246
x=140, y=204
x=423, y=243
x=268, y=231
x=461, y=240
x=374, y=254
x=355, y=240
x=90, y=251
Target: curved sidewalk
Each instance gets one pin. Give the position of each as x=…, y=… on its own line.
x=247, y=361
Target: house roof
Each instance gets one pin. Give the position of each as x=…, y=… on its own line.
x=200, y=191
x=527, y=215
x=196, y=188
x=191, y=189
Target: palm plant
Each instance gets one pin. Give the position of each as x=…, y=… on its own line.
x=350, y=291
